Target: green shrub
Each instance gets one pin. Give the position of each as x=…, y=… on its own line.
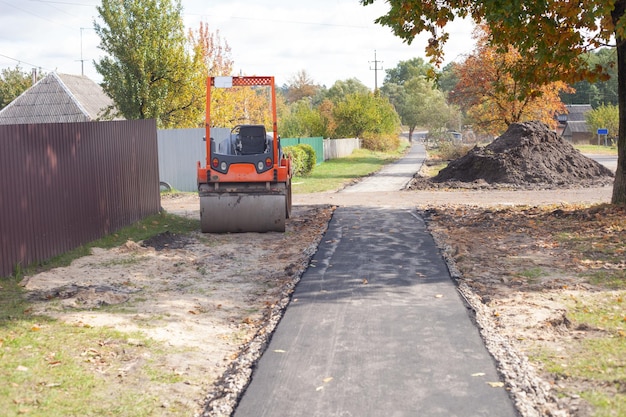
x=310, y=159
x=380, y=142
x=302, y=158
x=449, y=150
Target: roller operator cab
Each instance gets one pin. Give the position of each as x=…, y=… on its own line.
x=245, y=184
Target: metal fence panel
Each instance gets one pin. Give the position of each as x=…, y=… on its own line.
x=179, y=153
x=340, y=148
x=317, y=143
x=66, y=184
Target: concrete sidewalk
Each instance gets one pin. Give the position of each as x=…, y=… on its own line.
x=376, y=328
x=395, y=176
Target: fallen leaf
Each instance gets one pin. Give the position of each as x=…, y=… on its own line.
x=364, y=281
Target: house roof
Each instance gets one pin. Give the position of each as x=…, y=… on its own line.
x=58, y=98
x=575, y=127
x=576, y=112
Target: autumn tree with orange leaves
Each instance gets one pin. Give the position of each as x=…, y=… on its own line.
x=236, y=105
x=492, y=99
x=553, y=36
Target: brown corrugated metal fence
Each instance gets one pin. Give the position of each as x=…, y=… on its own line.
x=66, y=184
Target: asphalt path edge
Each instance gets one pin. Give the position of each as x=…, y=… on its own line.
x=531, y=394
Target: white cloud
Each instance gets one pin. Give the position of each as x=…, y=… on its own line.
x=330, y=39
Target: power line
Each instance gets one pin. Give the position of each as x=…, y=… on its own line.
x=20, y=61
x=293, y=22
x=63, y=2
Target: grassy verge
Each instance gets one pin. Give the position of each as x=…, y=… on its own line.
x=148, y=227
x=596, y=359
x=596, y=356
x=50, y=368
x=336, y=173
x=597, y=149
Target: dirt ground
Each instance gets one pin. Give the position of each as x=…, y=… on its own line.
x=201, y=297
x=212, y=300
x=522, y=281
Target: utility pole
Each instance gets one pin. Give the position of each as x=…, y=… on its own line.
x=375, y=69
x=82, y=60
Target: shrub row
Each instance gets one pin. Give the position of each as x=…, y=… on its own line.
x=380, y=142
x=303, y=158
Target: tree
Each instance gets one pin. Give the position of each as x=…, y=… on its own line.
x=342, y=88
x=300, y=86
x=418, y=103
x=213, y=52
x=600, y=92
x=406, y=70
x=493, y=99
x=13, y=82
x=416, y=98
x=211, y=57
x=148, y=71
x=302, y=121
x=448, y=77
x=604, y=117
x=551, y=35
x=359, y=114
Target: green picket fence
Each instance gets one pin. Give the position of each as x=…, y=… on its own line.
x=317, y=144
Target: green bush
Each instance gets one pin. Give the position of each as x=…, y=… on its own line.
x=380, y=143
x=310, y=159
x=302, y=158
x=450, y=150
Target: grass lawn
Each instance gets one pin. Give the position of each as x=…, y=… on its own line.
x=597, y=149
x=336, y=173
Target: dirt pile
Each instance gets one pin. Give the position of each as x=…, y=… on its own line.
x=527, y=155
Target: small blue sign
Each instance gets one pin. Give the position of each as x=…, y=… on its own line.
x=603, y=131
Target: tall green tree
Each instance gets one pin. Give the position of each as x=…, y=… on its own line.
x=360, y=114
x=417, y=100
x=600, y=92
x=406, y=70
x=419, y=103
x=302, y=120
x=148, y=71
x=604, y=117
x=551, y=35
x=13, y=82
x=342, y=88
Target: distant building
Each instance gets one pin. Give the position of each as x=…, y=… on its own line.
x=58, y=98
x=573, y=125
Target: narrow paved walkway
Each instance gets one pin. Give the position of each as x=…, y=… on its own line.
x=376, y=328
x=393, y=177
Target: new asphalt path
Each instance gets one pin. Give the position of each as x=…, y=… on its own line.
x=376, y=328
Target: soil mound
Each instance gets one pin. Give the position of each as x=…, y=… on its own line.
x=527, y=154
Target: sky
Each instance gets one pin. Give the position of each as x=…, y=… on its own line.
x=330, y=39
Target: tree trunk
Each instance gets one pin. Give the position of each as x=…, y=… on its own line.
x=619, y=186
